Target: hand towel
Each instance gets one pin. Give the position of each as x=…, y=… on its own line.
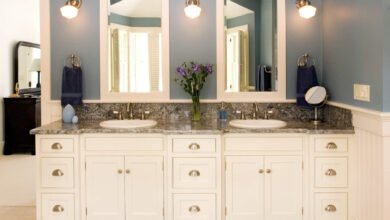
x=307, y=78
x=263, y=78
x=72, y=92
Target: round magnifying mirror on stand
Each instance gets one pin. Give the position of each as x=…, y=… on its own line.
x=316, y=97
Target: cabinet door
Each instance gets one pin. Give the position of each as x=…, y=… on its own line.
x=283, y=188
x=105, y=188
x=144, y=188
x=244, y=188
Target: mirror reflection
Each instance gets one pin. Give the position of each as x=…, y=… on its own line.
x=251, y=45
x=28, y=69
x=135, y=46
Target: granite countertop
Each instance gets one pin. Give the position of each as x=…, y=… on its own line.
x=188, y=127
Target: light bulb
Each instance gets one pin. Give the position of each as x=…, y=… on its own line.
x=307, y=11
x=69, y=11
x=192, y=11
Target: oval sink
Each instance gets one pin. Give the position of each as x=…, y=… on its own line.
x=257, y=124
x=128, y=123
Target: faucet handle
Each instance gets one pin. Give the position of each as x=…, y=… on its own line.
x=267, y=114
x=144, y=114
x=118, y=114
x=242, y=114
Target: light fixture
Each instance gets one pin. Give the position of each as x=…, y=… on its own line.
x=71, y=8
x=192, y=8
x=306, y=10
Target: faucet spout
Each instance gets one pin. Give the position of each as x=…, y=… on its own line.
x=130, y=111
x=255, y=111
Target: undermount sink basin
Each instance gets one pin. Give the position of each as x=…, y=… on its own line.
x=128, y=123
x=257, y=124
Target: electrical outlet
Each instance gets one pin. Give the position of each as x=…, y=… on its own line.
x=361, y=92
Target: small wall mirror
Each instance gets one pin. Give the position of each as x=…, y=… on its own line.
x=27, y=64
x=316, y=95
x=136, y=43
x=253, y=39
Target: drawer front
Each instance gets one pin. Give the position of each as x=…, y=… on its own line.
x=194, y=145
x=331, y=172
x=272, y=144
x=194, y=207
x=331, y=145
x=151, y=144
x=57, y=172
x=194, y=173
x=331, y=206
x=57, y=145
x=57, y=207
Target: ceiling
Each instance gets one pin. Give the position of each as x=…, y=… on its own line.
x=138, y=8
x=233, y=10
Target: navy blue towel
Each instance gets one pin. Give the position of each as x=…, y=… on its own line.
x=263, y=78
x=307, y=78
x=72, y=92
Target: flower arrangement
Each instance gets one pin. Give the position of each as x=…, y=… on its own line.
x=193, y=77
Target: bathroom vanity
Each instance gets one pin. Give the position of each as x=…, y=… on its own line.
x=181, y=171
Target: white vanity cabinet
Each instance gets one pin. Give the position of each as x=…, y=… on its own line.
x=124, y=177
x=263, y=177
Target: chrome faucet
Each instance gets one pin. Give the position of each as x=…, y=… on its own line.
x=267, y=114
x=130, y=111
x=242, y=114
x=255, y=111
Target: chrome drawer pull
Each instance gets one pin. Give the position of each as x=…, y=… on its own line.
x=194, y=209
x=194, y=146
x=331, y=172
x=57, y=172
x=331, y=146
x=194, y=173
x=58, y=208
x=331, y=208
x=56, y=146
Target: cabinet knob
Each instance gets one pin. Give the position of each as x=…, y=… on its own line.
x=56, y=146
x=194, y=146
x=57, y=172
x=128, y=171
x=331, y=172
x=331, y=146
x=194, y=209
x=194, y=173
x=269, y=171
x=120, y=171
x=58, y=208
x=261, y=171
x=331, y=208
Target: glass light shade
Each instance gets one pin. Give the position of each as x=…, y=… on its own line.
x=307, y=11
x=192, y=11
x=35, y=65
x=69, y=11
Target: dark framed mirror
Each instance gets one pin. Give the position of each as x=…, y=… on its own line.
x=27, y=68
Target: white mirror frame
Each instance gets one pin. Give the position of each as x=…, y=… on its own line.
x=277, y=96
x=105, y=94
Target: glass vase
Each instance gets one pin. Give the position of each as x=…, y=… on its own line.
x=196, y=115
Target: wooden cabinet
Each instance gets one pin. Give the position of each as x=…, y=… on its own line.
x=263, y=187
x=20, y=116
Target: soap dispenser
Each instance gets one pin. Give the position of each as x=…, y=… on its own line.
x=222, y=113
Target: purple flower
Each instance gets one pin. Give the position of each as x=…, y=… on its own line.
x=209, y=68
x=181, y=70
x=196, y=68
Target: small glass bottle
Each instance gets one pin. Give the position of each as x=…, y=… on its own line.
x=222, y=113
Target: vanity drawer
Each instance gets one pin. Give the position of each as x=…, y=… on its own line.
x=57, y=172
x=149, y=144
x=194, y=173
x=331, y=172
x=57, y=207
x=331, y=145
x=194, y=207
x=57, y=145
x=331, y=206
x=272, y=144
x=194, y=145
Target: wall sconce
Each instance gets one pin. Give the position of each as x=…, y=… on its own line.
x=71, y=8
x=192, y=8
x=306, y=10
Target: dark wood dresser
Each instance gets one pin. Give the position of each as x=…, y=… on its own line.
x=20, y=116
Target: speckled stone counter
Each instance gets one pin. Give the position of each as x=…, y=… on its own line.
x=188, y=127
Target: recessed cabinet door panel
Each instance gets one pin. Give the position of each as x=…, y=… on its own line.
x=144, y=188
x=105, y=188
x=283, y=188
x=245, y=188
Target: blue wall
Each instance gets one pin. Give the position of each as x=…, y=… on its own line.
x=354, y=50
x=189, y=40
x=386, y=56
x=134, y=22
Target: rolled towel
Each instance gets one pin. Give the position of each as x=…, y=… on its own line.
x=72, y=92
x=307, y=78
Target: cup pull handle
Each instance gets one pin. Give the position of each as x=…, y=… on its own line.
x=194, y=173
x=56, y=146
x=194, y=146
x=57, y=172
x=331, y=208
x=331, y=172
x=194, y=209
x=58, y=209
x=331, y=146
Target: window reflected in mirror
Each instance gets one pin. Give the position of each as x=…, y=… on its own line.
x=135, y=46
x=251, y=45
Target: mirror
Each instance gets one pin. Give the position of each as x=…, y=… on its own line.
x=135, y=46
x=251, y=45
x=27, y=67
x=316, y=95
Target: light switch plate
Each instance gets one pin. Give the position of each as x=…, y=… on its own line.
x=361, y=92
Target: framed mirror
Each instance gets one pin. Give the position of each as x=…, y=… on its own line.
x=251, y=50
x=27, y=67
x=134, y=50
